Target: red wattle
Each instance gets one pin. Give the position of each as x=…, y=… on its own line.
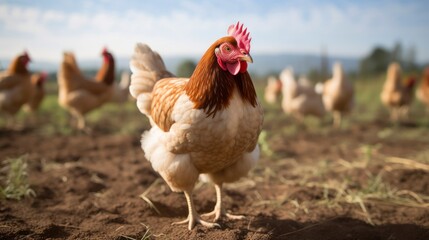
x=233, y=68
x=243, y=66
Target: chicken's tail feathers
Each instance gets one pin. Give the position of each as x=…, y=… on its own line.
x=319, y=87
x=147, y=68
x=125, y=80
x=287, y=75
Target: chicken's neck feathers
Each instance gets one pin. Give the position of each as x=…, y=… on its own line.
x=211, y=88
x=17, y=67
x=106, y=74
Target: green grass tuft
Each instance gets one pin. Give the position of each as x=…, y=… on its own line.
x=16, y=182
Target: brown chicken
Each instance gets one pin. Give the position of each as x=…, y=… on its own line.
x=396, y=95
x=79, y=94
x=15, y=85
x=423, y=91
x=338, y=94
x=38, y=84
x=205, y=125
x=106, y=74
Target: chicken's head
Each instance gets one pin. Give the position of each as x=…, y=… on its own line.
x=234, y=55
x=410, y=82
x=24, y=58
x=39, y=79
x=42, y=79
x=107, y=56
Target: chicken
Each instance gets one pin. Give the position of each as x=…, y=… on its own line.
x=299, y=100
x=106, y=74
x=396, y=95
x=207, y=124
x=15, y=85
x=272, y=90
x=38, y=84
x=121, y=91
x=423, y=91
x=338, y=94
x=304, y=82
x=79, y=94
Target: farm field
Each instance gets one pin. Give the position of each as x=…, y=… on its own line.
x=369, y=180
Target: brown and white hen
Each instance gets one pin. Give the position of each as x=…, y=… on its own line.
x=15, y=85
x=396, y=95
x=338, y=94
x=208, y=124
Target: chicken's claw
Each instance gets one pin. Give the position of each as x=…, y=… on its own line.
x=193, y=220
x=218, y=214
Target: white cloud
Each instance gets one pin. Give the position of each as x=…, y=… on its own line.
x=345, y=30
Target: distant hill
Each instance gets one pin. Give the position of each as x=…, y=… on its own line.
x=263, y=63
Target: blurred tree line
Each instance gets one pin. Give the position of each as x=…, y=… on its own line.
x=376, y=62
x=186, y=68
x=380, y=57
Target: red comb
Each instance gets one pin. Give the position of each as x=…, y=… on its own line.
x=240, y=33
x=44, y=75
x=410, y=81
x=25, y=54
x=104, y=50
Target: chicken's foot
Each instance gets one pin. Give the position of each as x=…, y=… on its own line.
x=218, y=210
x=193, y=217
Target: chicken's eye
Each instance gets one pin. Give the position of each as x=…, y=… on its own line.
x=227, y=48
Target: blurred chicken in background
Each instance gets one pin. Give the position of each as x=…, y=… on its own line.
x=106, y=75
x=423, y=91
x=299, y=99
x=79, y=94
x=337, y=94
x=273, y=89
x=304, y=82
x=15, y=86
x=396, y=95
x=38, y=84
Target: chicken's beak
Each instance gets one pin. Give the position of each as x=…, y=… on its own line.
x=246, y=58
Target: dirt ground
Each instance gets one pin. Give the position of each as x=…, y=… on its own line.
x=88, y=187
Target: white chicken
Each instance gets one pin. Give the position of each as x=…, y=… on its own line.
x=299, y=100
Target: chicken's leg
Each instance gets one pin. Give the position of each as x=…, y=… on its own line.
x=219, y=211
x=10, y=121
x=193, y=216
x=337, y=119
x=80, y=122
x=404, y=112
x=394, y=114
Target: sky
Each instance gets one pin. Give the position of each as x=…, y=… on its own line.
x=46, y=28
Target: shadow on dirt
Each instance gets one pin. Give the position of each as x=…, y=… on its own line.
x=337, y=228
